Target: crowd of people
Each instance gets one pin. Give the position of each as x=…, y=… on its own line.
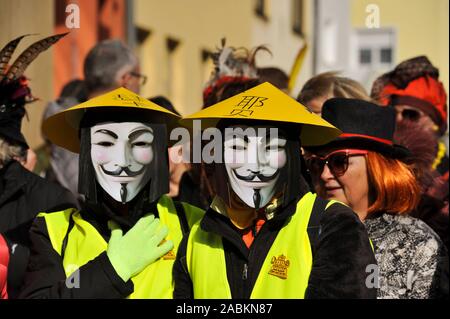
x=349, y=199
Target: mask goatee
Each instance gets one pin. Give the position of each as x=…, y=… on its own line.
x=123, y=193
x=256, y=198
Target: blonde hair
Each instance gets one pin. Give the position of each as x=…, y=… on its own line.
x=329, y=83
x=9, y=152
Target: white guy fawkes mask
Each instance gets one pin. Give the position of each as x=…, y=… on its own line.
x=253, y=163
x=120, y=154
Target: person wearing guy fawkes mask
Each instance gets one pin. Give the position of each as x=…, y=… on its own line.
x=122, y=243
x=265, y=235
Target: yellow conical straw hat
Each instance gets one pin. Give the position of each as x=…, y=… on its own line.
x=266, y=102
x=62, y=128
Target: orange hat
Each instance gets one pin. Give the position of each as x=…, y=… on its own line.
x=414, y=82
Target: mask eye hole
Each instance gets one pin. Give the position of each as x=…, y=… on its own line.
x=238, y=147
x=105, y=144
x=141, y=144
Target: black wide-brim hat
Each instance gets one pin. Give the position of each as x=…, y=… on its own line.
x=365, y=125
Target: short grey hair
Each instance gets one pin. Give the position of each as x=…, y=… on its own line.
x=103, y=63
x=8, y=152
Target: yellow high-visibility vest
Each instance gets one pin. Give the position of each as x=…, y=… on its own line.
x=85, y=243
x=284, y=273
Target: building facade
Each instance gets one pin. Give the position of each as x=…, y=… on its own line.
x=173, y=39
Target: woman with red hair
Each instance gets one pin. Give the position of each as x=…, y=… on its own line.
x=364, y=169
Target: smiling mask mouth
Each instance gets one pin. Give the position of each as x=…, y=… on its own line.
x=119, y=170
x=262, y=178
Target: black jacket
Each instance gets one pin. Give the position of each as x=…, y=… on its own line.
x=340, y=255
x=22, y=196
x=46, y=278
x=191, y=191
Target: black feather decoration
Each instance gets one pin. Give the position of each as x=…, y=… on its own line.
x=6, y=53
x=27, y=56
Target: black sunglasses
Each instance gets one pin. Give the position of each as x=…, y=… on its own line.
x=336, y=161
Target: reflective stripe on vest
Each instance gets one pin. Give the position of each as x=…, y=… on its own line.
x=85, y=243
x=284, y=273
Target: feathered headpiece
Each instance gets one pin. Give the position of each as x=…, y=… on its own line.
x=14, y=90
x=232, y=65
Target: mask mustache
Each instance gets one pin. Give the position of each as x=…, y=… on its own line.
x=252, y=175
x=121, y=169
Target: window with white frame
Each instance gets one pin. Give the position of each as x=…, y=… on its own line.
x=372, y=52
x=374, y=48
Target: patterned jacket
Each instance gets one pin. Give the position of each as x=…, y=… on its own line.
x=412, y=260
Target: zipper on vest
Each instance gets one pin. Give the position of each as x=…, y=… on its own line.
x=245, y=272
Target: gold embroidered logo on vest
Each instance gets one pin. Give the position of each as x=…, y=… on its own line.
x=280, y=266
x=170, y=254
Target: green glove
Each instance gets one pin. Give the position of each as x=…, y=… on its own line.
x=129, y=254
